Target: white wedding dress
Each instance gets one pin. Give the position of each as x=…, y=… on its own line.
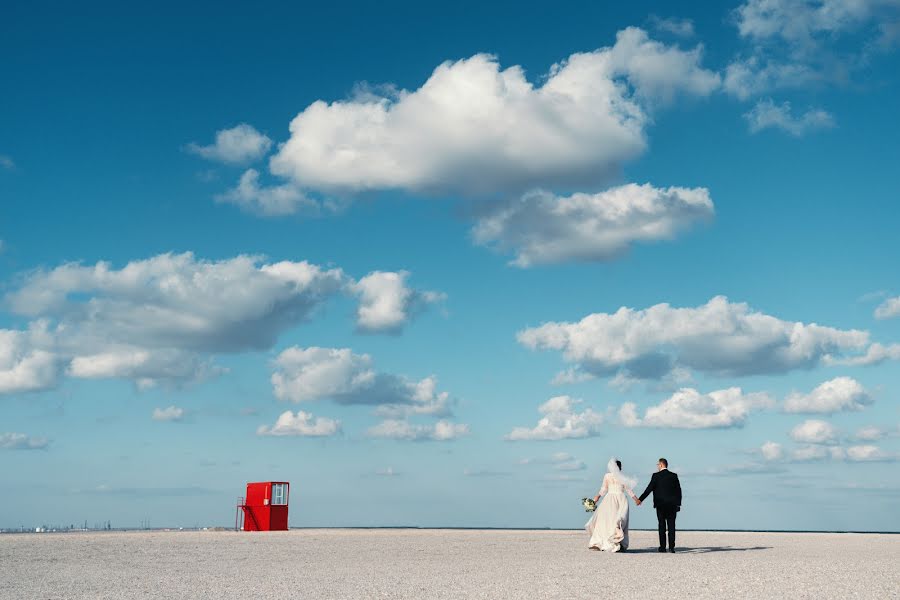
x=608, y=527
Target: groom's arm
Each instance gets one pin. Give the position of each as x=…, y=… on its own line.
x=650, y=487
x=678, y=490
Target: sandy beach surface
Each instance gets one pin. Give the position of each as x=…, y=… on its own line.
x=411, y=563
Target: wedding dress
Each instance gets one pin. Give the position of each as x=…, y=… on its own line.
x=608, y=527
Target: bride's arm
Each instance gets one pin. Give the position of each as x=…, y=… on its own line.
x=633, y=497
x=602, y=491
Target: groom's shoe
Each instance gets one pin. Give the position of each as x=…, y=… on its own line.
x=672, y=550
x=661, y=550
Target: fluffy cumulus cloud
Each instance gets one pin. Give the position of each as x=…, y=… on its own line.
x=814, y=431
x=541, y=227
x=387, y=303
x=768, y=115
x=161, y=319
x=270, y=201
x=560, y=420
x=21, y=441
x=719, y=337
x=301, y=423
x=836, y=395
x=772, y=451
x=398, y=429
x=474, y=127
x=888, y=309
x=168, y=414
x=25, y=364
x=237, y=145
x=337, y=374
x=689, y=409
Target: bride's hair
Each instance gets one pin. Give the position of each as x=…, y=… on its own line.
x=619, y=464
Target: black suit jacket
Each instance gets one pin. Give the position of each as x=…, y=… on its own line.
x=666, y=490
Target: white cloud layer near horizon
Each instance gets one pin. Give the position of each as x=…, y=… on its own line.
x=21, y=441
x=719, y=338
x=543, y=228
x=168, y=414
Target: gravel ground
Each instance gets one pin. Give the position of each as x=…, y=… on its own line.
x=419, y=564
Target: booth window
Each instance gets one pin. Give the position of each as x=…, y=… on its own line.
x=279, y=493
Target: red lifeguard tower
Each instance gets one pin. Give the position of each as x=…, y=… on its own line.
x=265, y=507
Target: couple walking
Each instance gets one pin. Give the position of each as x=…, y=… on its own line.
x=608, y=527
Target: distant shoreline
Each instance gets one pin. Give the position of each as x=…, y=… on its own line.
x=414, y=527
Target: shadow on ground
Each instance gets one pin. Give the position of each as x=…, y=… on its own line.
x=699, y=549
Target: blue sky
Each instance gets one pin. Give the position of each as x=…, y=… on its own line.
x=436, y=266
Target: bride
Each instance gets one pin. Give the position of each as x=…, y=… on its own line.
x=608, y=527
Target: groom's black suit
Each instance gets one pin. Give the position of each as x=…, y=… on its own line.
x=667, y=501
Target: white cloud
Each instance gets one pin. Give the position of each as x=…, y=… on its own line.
x=875, y=355
x=154, y=320
x=683, y=28
x=301, y=424
x=869, y=453
x=474, y=128
x=814, y=431
x=799, y=22
x=571, y=376
x=560, y=421
x=168, y=414
x=572, y=465
x=388, y=472
x=751, y=76
x=24, y=366
x=238, y=145
x=20, y=441
x=272, y=201
x=689, y=409
x=720, y=337
x=541, y=227
x=813, y=453
x=386, y=303
x=7, y=163
x=767, y=115
x=308, y=374
x=836, y=395
x=772, y=451
x=888, y=309
x=798, y=43
x=396, y=429
x=872, y=433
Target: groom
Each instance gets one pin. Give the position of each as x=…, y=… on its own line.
x=666, y=500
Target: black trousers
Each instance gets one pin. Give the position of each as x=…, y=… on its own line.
x=665, y=515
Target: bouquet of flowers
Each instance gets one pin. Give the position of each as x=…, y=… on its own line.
x=589, y=504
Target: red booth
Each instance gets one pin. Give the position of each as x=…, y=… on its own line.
x=265, y=507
